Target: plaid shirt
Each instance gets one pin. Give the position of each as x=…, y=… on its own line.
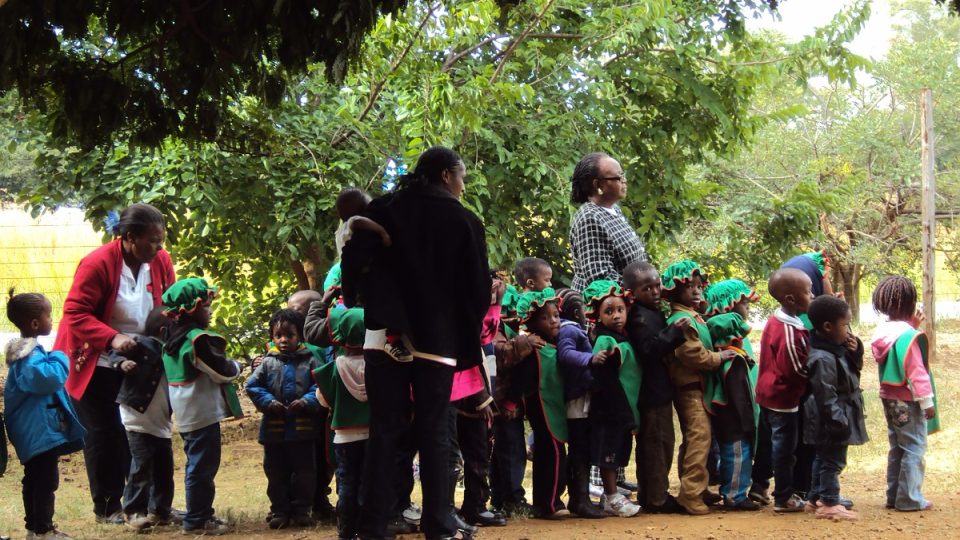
x=603, y=244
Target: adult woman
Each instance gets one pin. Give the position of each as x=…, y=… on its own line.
x=114, y=289
x=602, y=241
x=431, y=289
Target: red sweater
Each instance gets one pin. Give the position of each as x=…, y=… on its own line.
x=782, y=380
x=84, y=331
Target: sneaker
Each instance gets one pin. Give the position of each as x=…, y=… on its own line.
x=139, y=522
x=412, y=514
x=793, y=504
x=836, y=513
x=115, y=518
x=395, y=349
x=596, y=491
x=279, y=521
x=212, y=527
x=759, y=496
x=618, y=505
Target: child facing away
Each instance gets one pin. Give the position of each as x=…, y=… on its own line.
x=41, y=421
x=616, y=387
x=907, y=391
x=692, y=373
x=283, y=390
x=144, y=400
x=654, y=342
x=782, y=379
x=833, y=413
x=201, y=395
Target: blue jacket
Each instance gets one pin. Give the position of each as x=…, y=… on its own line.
x=39, y=414
x=574, y=353
x=286, y=377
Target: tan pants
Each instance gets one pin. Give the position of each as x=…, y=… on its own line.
x=695, y=429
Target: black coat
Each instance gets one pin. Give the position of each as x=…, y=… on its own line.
x=833, y=412
x=140, y=384
x=432, y=284
x=653, y=340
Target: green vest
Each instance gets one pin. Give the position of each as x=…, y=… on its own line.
x=710, y=381
x=630, y=373
x=550, y=392
x=892, y=372
x=346, y=412
x=181, y=370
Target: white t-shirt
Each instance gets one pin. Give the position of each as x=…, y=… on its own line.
x=156, y=419
x=133, y=305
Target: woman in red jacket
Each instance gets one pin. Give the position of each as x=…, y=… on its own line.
x=114, y=289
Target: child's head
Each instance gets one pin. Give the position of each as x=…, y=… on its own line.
x=31, y=313
x=641, y=281
x=830, y=317
x=286, y=329
x=895, y=297
x=347, y=330
x=727, y=329
x=351, y=202
x=606, y=305
x=683, y=283
x=533, y=274
x=300, y=301
x=157, y=325
x=792, y=288
x=188, y=301
x=730, y=295
x=571, y=306
x=539, y=313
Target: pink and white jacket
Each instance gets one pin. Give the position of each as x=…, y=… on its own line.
x=918, y=387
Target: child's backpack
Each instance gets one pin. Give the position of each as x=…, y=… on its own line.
x=3, y=446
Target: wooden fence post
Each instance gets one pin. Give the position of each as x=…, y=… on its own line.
x=929, y=219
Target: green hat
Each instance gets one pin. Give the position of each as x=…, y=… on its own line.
x=598, y=291
x=820, y=259
x=723, y=295
x=530, y=302
x=727, y=328
x=510, y=298
x=346, y=327
x=681, y=272
x=186, y=295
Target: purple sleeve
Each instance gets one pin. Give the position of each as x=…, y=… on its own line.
x=571, y=350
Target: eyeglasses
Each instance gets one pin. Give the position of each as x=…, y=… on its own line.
x=621, y=178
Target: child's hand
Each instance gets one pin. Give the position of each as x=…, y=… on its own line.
x=727, y=354
x=682, y=323
x=275, y=407
x=599, y=358
x=385, y=238
x=929, y=413
x=329, y=295
x=487, y=414
x=123, y=343
x=851, y=342
x=497, y=290
x=918, y=318
x=536, y=341
x=256, y=362
x=297, y=405
x=127, y=366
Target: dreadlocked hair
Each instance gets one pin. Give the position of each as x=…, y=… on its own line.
x=571, y=306
x=25, y=307
x=287, y=316
x=895, y=297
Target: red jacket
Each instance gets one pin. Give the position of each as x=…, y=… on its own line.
x=782, y=380
x=84, y=333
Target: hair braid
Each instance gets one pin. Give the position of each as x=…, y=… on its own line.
x=895, y=297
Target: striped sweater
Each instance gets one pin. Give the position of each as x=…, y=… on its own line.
x=783, y=363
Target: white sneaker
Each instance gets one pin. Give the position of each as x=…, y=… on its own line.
x=596, y=491
x=618, y=505
x=398, y=352
x=412, y=514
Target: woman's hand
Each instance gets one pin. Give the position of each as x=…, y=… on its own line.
x=123, y=343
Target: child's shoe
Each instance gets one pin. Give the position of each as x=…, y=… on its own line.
x=395, y=349
x=412, y=514
x=212, y=527
x=836, y=513
x=745, y=505
x=759, y=496
x=279, y=521
x=695, y=508
x=139, y=522
x=710, y=498
x=846, y=503
x=793, y=504
x=618, y=505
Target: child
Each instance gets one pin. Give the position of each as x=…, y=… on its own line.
x=533, y=274
x=543, y=400
x=40, y=419
x=907, y=391
x=692, y=374
x=735, y=412
x=144, y=400
x=654, y=341
x=575, y=357
x=201, y=395
x=782, y=379
x=613, y=407
x=284, y=391
x=341, y=388
x=833, y=413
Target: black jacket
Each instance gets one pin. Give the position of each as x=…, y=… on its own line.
x=735, y=421
x=432, y=284
x=608, y=403
x=833, y=413
x=653, y=341
x=140, y=384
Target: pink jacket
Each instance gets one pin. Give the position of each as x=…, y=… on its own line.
x=918, y=387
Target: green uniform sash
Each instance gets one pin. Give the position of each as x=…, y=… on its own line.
x=630, y=373
x=550, y=392
x=346, y=411
x=710, y=381
x=892, y=372
x=182, y=369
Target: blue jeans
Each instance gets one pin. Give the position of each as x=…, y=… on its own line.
x=509, y=462
x=350, y=458
x=735, y=470
x=907, y=434
x=783, y=444
x=825, y=480
x=202, y=447
x=149, y=486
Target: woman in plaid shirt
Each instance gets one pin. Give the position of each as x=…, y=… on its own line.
x=602, y=241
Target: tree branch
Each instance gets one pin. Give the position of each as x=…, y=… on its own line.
x=513, y=44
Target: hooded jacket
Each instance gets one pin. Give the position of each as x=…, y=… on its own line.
x=833, y=412
x=918, y=386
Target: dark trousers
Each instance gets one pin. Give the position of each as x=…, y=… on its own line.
x=654, y=454
x=325, y=468
x=350, y=458
x=805, y=454
x=549, y=462
x=41, y=478
x=578, y=443
x=825, y=479
x=150, y=480
x=389, y=384
x=762, y=459
x=106, y=453
x=291, y=470
x=472, y=434
x=783, y=445
x=202, y=448
x=509, y=462
x=403, y=483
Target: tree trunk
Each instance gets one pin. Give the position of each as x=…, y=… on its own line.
x=846, y=278
x=303, y=280
x=313, y=267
